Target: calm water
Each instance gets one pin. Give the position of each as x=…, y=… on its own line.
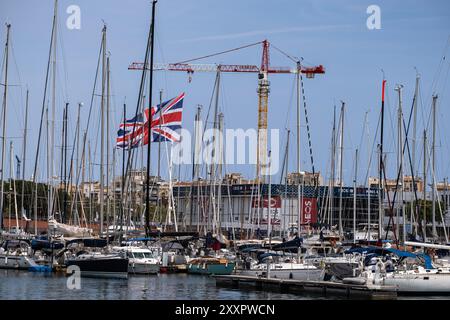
x=17, y=285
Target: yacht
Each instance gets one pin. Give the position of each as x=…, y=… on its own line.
x=141, y=260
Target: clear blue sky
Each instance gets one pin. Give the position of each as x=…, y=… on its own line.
x=332, y=33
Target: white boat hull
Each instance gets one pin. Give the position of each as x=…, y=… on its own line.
x=15, y=262
x=142, y=268
x=288, y=274
x=433, y=283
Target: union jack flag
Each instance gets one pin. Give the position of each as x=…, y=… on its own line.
x=166, y=119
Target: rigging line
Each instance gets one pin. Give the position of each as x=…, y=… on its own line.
x=43, y=102
x=18, y=75
x=439, y=69
x=64, y=60
x=90, y=110
x=293, y=58
x=131, y=150
x=206, y=123
x=373, y=147
x=219, y=53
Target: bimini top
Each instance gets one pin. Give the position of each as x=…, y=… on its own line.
x=399, y=253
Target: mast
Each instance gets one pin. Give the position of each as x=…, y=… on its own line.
x=43, y=113
x=298, y=116
x=24, y=155
x=219, y=171
x=285, y=184
x=52, y=130
x=65, y=159
x=102, y=129
x=369, y=159
x=269, y=214
x=341, y=158
x=159, y=140
x=380, y=169
x=147, y=193
x=413, y=160
x=122, y=196
x=5, y=105
x=158, y=205
x=433, y=170
x=333, y=167
x=11, y=162
x=62, y=181
x=425, y=185
x=354, y=196
x=196, y=152
x=400, y=164
x=108, y=198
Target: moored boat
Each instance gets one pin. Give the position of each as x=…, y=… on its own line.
x=210, y=266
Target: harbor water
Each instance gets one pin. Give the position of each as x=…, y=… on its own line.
x=23, y=285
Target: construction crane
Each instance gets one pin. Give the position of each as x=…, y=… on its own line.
x=263, y=87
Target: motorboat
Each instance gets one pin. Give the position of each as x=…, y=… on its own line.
x=141, y=260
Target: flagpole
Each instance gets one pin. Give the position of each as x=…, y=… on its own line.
x=147, y=195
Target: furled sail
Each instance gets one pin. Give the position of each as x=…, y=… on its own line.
x=68, y=230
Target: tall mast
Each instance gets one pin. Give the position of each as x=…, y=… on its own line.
x=369, y=159
x=341, y=158
x=43, y=113
x=380, y=168
x=197, y=143
x=65, y=159
x=433, y=170
x=298, y=117
x=102, y=129
x=219, y=171
x=413, y=156
x=159, y=140
x=400, y=164
x=108, y=200
x=333, y=167
x=52, y=131
x=147, y=193
x=5, y=95
x=424, y=185
x=158, y=203
x=122, y=196
x=24, y=155
x=354, y=196
x=285, y=184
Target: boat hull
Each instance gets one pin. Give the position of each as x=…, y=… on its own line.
x=101, y=268
x=143, y=268
x=288, y=274
x=423, y=284
x=15, y=262
x=211, y=269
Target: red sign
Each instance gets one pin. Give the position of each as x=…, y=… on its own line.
x=274, y=203
x=309, y=211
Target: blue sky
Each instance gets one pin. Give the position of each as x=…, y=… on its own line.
x=332, y=33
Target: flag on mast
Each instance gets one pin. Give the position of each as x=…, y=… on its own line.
x=166, y=120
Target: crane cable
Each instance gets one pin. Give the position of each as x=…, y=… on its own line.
x=219, y=53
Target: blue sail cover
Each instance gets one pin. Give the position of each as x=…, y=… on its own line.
x=399, y=253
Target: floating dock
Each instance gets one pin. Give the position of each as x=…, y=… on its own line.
x=323, y=288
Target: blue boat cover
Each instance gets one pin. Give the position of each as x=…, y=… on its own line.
x=400, y=253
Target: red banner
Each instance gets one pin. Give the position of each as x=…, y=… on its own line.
x=309, y=211
x=275, y=202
